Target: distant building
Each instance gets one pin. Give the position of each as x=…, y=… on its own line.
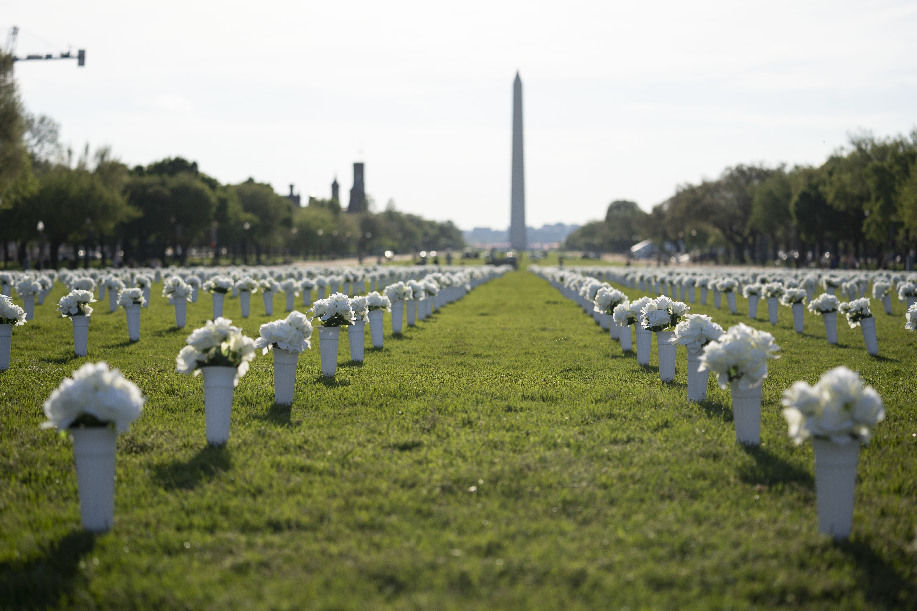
x=358, y=192
x=294, y=198
x=335, y=191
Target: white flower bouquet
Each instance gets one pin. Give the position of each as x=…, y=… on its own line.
x=246, y=283
x=830, y=281
x=28, y=287
x=910, y=317
x=855, y=311
x=823, y=304
x=176, y=289
x=76, y=303
x=907, y=290
x=268, y=285
x=10, y=313
x=752, y=290
x=774, y=290
x=839, y=408
x=307, y=284
x=84, y=284
x=218, y=284
x=793, y=295
x=375, y=301
x=880, y=289
x=662, y=314
x=113, y=284
x=399, y=291
x=624, y=316
x=95, y=396
x=739, y=355
x=194, y=282
x=726, y=285
x=291, y=333
x=607, y=299
x=290, y=287
x=696, y=331
x=143, y=281
x=334, y=311
x=217, y=344
x=417, y=290
x=360, y=307
x=129, y=297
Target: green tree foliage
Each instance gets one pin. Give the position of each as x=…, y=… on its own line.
x=623, y=226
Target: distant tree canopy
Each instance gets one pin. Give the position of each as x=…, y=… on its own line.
x=860, y=204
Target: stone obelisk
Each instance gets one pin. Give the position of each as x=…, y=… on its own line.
x=517, y=236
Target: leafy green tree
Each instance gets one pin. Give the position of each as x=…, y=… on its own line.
x=272, y=213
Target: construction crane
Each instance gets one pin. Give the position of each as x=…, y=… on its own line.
x=80, y=56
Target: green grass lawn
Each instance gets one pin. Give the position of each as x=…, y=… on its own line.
x=503, y=454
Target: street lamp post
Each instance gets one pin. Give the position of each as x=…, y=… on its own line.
x=40, y=226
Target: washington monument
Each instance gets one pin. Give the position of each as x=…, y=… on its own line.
x=517, y=237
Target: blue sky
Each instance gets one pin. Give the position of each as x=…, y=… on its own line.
x=621, y=100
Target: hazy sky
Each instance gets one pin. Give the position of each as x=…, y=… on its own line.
x=621, y=100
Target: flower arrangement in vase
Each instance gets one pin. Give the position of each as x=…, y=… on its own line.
x=132, y=300
x=859, y=314
x=694, y=332
x=333, y=313
x=661, y=316
x=11, y=315
x=287, y=338
x=826, y=305
x=794, y=298
x=75, y=306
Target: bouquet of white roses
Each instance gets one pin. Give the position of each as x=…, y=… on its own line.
x=880, y=289
x=774, y=290
x=94, y=396
x=143, y=281
x=830, y=281
x=176, y=289
x=76, y=303
x=910, y=317
x=607, y=299
x=399, y=291
x=907, y=290
x=113, y=284
x=417, y=290
x=218, y=284
x=823, y=304
x=28, y=287
x=375, y=301
x=360, y=307
x=838, y=408
x=10, y=313
x=334, y=311
x=624, y=316
x=128, y=297
x=217, y=344
x=741, y=355
x=246, y=283
x=855, y=311
x=726, y=285
x=290, y=287
x=291, y=333
x=268, y=285
x=696, y=331
x=84, y=283
x=793, y=296
x=752, y=290
x=662, y=314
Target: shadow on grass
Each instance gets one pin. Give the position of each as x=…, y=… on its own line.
x=714, y=409
x=207, y=463
x=41, y=582
x=278, y=414
x=59, y=360
x=123, y=344
x=169, y=331
x=883, y=359
x=332, y=382
x=374, y=349
x=398, y=337
x=883, y=585
x=770, y=469
x=351, y=363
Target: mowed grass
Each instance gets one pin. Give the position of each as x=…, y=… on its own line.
x=504, y=453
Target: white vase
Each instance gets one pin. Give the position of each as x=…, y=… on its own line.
x=112, y=301
x=181, y=311
x=218, y=304
x=887, y=303
x=830, y=319
x=6, y=342
x=731, y=301
x=644, y=343
x=356, y=336
x=868, y=325
x=375, y=328
x=291, y=297
x=624, y=336
x=799, y=317
x=306, y=297
x=422, y=309
x=28, y=304
x=146, y=296
x=835, y=481
x=614, y=331
x=133, y=322
x=40, y=299
x=285, y=363
x=703, y=295
x=666, y=349
x=94, y=455
x=752, y=306
x=268, y=297
x=328, y=347
x=605, y=322
x=697, y=380
x=80, y=334
x=772, y=305
x=245, y=303
x=218, y=391
x=397, y=316
x=716, y=299
x=194, y=291
x=411, y=312
x=746, y=414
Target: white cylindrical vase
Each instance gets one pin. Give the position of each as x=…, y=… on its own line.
x=218, y=391
x=133, y=321
x=411, y=312
x=772, y=305
x=716, y=299
x=703, y=295
x=285, y=363
x=306, y=297
x=830, y=319
x=94, y=455
x=356, y=336
x=28, y=304
x=887, y=303
x=112, y=301
x=731, y=301
x=217, y=304
x=605, y=323
x=291, y=298
x=666, y=349
x=868, y=325
x=245, y=303
x=181, y=312
x=835, y=481
x=6, y=343
x=624, y=336
x=80, y=334
x=268, y=297
x=375, y=328
x=697, y=380
x=644, y=344
x=799, y=317
x=328, y=338
x=746, y=413
x=752, y=306
x=397, y=316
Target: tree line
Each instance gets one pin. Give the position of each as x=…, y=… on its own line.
x=859, y=207
x=58, y=204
